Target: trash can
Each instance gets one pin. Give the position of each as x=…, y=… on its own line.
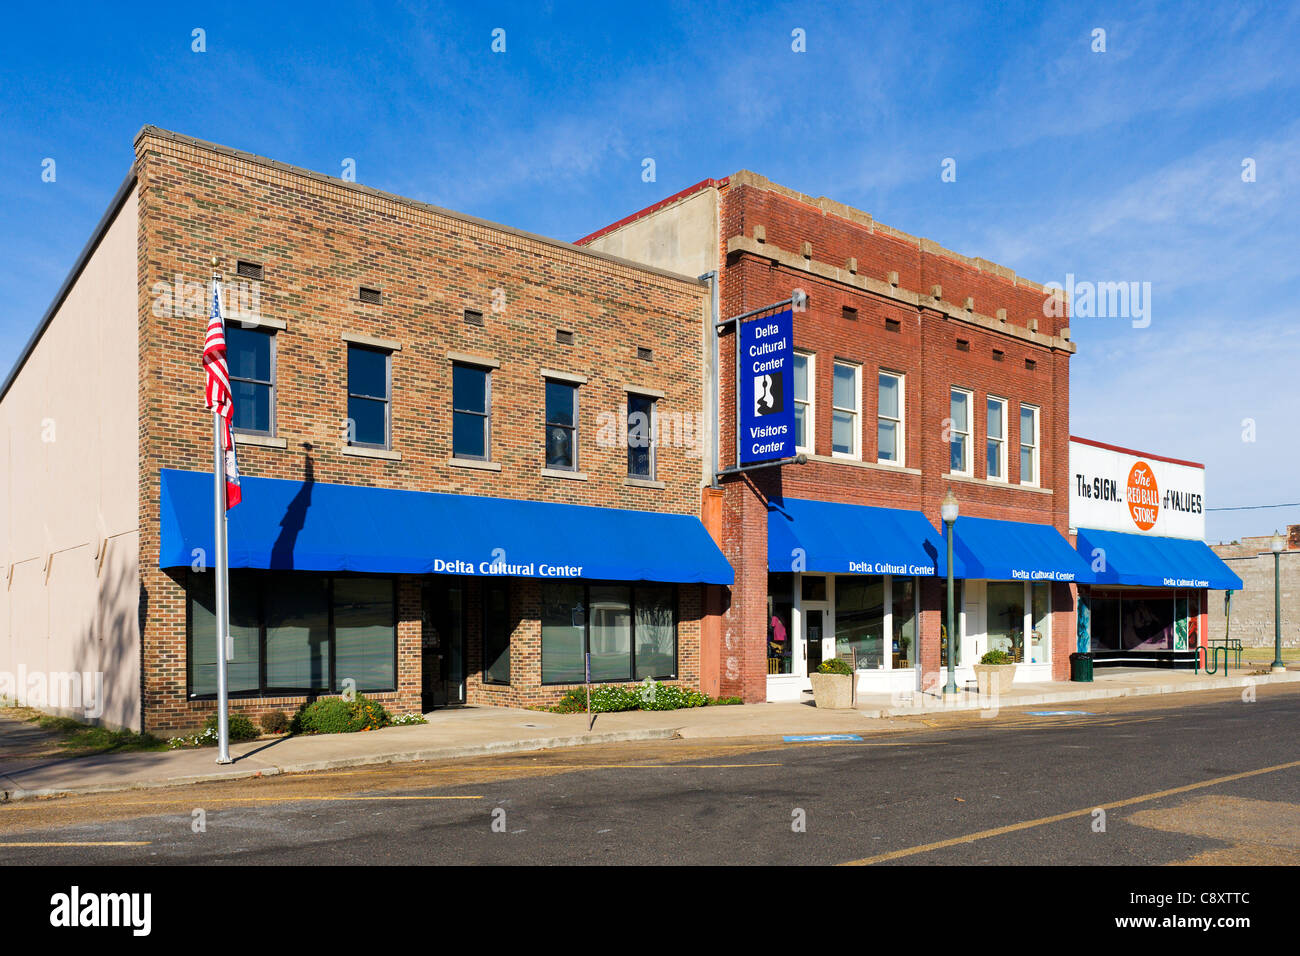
x=1081, y=668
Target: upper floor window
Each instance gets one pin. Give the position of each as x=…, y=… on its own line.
x=803, y=401
x=889, y=419
x=368, y=396
x=471, y=411
x=845, y=401
x=959, y=432
x=1029, y=445
x=995, y=439
x=250, y=354
x=640, y=436
x=561, y=425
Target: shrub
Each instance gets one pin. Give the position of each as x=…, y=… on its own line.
x=275, y=722
x=238, y=727
x=997, y=657
x=335, y=715
x=834, y=666
x=405, y=719
x=611, y=698
x=725, y=701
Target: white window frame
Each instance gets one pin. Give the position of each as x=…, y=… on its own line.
x=1035, y=445
x=969, y=432
x=900, y=433
x=1029, y=620
x=1002, y=441
x=856, y=453
x=809, y=405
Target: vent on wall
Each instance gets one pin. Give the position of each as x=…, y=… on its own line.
x=473, y=317
x=249, y=270
x=850, y=312
x=1031, y=364
x=645, y=354
x=564, y=336
x=369, y=295
x=999, y=355
x=893, y=325
x=963, y=345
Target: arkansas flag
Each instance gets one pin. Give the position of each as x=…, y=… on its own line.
x=217, y=394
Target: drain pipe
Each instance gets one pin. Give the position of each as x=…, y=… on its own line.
x=714, y=390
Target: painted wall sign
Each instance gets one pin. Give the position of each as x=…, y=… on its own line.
x=766, y=378
x=1116, y=490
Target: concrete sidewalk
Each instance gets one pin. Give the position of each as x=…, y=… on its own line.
x=483, y=731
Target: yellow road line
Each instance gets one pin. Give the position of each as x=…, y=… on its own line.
x=107, y=843
x=1057, y=818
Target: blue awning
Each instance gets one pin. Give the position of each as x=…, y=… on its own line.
x=314, y=526
x=1144, y=560
x=834, y=538
x=1014, y=551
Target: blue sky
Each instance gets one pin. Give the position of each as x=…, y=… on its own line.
x=1123, y=165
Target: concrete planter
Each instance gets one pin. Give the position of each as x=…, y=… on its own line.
x=832, y=690
x=994, y=679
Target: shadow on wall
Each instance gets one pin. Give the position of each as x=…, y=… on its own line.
x=295, y=516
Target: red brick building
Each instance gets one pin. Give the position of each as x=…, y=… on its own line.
x=447, y=495
x=918, y=370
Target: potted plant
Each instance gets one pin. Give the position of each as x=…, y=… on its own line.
x=833, y=684
x=995, y=672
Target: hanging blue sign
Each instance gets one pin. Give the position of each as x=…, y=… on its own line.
x=766, y=379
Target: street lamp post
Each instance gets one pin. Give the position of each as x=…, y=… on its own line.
x=1278, y=545
x=948, y=512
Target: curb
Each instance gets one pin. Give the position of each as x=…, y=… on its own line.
x=975, y=702
x=411, y=756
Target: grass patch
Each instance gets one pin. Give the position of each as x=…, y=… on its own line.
x=82, y=740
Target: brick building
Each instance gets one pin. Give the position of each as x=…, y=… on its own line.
x=448, y=495
x=1251, y=559
x=917, y=370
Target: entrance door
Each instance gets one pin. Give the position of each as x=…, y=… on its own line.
x=443, y=645
x=813, y=632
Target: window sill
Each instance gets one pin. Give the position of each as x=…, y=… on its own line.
x=561, y=473
x=998, y=483
x=644, y=483
x=857, y=463
x=382, y=454
x=260, y=441
x=474, y=463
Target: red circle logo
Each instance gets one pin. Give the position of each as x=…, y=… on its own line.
x=1143, y=496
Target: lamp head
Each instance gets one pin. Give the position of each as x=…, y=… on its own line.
x=1278, y=544
x=948, y=509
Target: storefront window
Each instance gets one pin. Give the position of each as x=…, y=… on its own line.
x=296, y=633
x=903, y=598
x=860, y=619
x=813, y=587
x=630, y=632
x=1006, y=618
x=496, y=633
x=1040, y=641
x=1147, y=624
x=656, y=632
x=1105, y=623
x=364, y=627
x=780, y=644
x=563, y=633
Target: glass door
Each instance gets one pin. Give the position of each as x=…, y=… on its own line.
x=813, y=632
x=442, y=643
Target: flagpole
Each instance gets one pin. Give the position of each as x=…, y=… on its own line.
x=222, y=563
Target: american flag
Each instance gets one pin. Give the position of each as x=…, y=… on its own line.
x=217, y=394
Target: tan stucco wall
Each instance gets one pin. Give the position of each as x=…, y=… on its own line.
x=69, y=466
x=682, y=237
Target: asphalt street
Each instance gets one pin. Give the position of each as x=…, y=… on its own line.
x=1124, y=782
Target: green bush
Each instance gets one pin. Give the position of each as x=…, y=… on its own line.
x=334, y=715
x=275, y=722
x=834, y=666
x=238, y=727
x=611, y=698
x=997, y=657
x=725, y=701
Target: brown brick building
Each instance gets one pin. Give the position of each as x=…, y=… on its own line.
x=917, y=370
x=1252, y=560
x=385, y=356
